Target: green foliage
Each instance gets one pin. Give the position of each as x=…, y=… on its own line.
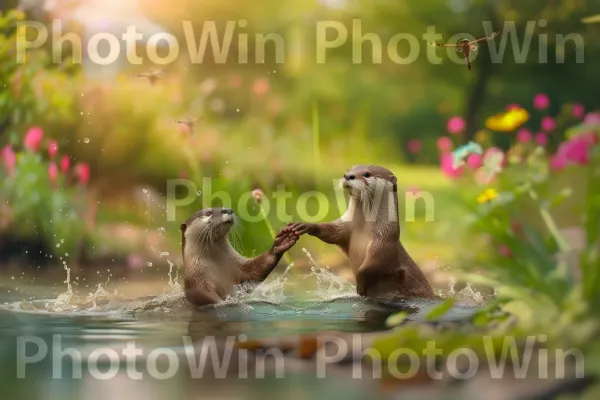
x=39, y=207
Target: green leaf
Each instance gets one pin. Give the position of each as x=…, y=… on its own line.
x=591, y=20
x=396, y=319
x=441, y=310
x=560, y=197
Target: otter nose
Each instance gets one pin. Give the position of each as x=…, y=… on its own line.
x=349, y=177
x=227, y=211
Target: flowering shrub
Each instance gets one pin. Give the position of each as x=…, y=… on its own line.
x=46, y=197
x=526, y=256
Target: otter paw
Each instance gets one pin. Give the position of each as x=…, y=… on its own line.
x=300, y=228
x=284, y=241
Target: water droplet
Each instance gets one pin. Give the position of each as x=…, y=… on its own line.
x=161, y=230
x=199, y=192
x=145, y=190
x=149, y=264
x=86, y=140
x=12, y=277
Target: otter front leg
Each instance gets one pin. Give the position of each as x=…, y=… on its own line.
x=337, y=232
x=258, y=268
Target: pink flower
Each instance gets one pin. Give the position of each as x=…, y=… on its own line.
x=83, y=173
x=9, y=159
x=578, y=111
x=513, y=106
x=548, y=124
x=33, y=138
x=541, y=101
x=444, y=144
x=413, y=190
x=447, y=165
x=235, y=81
x=474, y=161
x=52, y=148
x=589, y=138
x=504, y=250
x=558, y=162
x=524, y=136
x=592, y=119
x=260, y=87
x=53, y=172
x=414, y=146
x=541, y=139
x=64, y=164
x=575, y=150
x=456, y=125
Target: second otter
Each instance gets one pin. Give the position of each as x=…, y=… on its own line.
x=369, y=234
x=212, y=267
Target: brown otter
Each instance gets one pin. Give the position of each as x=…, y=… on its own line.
x=212, y=266
x=369, y=234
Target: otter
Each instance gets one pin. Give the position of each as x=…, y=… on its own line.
x=212, y=267
x=369, y=234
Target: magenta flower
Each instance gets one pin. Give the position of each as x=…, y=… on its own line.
x=524, y=136
x=513, y=106
x=83, y=173
x=64, y=164
x=541, y=101
x=589, y=138
x=33, y=138
x=548, y=124
x=53, y=172
x=592, y=119
x=9, y=159
x=52, y=148
x=558, y=162
x=447, y=165
x=541, y=139
x=444, y=144
x=260, y=87
x=575, y=150
x=474, y=161
x=504, y=250
x=414, y=146
x=456, y=125
x=578, y=111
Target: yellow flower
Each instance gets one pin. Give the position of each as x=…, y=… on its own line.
x=487, y=195
x=508, y=121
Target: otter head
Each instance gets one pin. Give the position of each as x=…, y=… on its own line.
x=361, y=181
x=209, y=224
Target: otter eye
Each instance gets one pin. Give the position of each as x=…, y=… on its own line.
x=208, y=213
x=367, y=175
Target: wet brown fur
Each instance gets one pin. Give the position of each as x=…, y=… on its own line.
x=212, y=267
x=369, y=234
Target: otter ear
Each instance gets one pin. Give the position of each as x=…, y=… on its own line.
x=394, y=180
x=183, y=227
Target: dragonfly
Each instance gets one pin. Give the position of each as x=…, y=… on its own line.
x=466, y=46
x=189, y=122
x=153, y=75
x=459, y=155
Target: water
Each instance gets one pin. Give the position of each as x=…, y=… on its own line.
x=111, y=317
